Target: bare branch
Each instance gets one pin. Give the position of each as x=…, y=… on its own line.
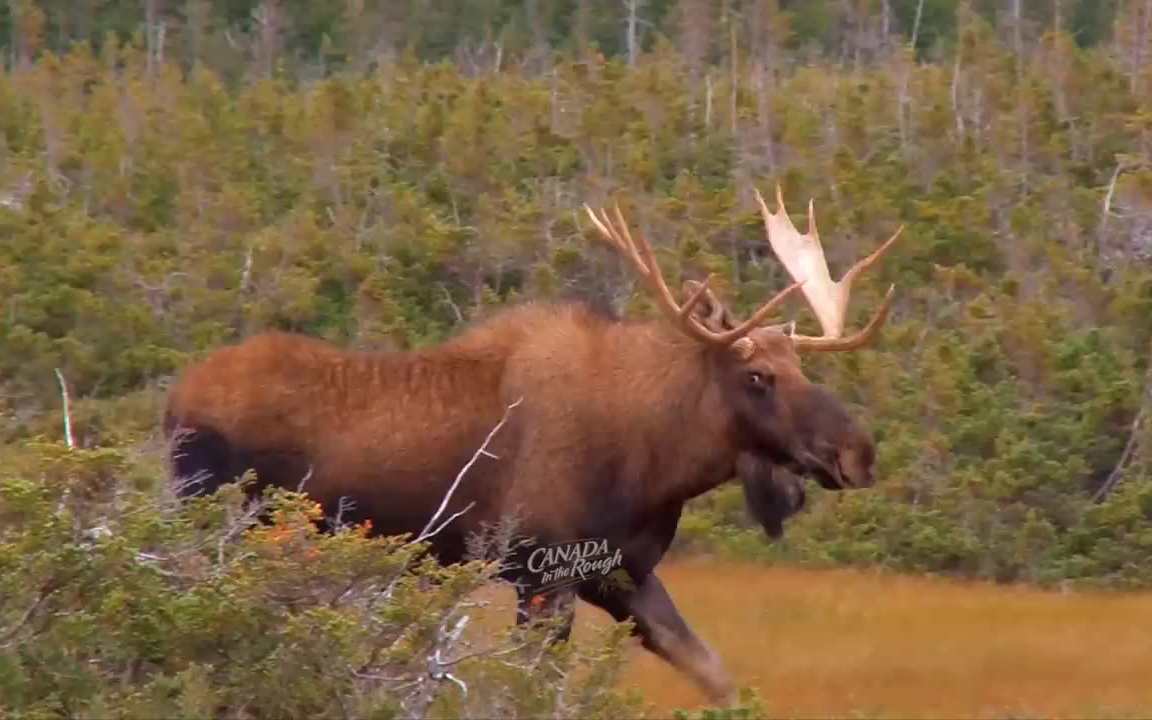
x=304, y=480
x=444, y=524
x=67, y=412
x=246, y=274
x=1117, y=473
x=1107, y=209
x=426, y=532
x=438, y=672
x=452, y=304
x=916, y=23
x=41, y=597
x=249, y=518
x=445, y=639
x=344, y=504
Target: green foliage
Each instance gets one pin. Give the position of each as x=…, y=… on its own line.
x=157, y=207
x=230, y=36
x=119, y=603
x=750, y=706
x=174, y=182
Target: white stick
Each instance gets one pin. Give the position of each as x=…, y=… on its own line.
x=67, y=413
x=1106, y=211
x=483, y=450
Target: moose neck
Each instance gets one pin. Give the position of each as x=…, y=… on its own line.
x=678, y=414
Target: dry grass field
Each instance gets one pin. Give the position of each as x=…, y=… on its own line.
x=856, y=644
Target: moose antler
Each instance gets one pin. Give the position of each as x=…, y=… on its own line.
x=717, y=316
x=643, y=261
x=803, y=258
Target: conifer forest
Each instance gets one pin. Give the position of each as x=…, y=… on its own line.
x=178, y=175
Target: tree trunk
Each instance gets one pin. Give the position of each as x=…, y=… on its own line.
x=539, y=32
x=196, y=18
x=153, y=34
x=1022, y=98
x=28, y=22
x=695, y=35
x=734, y=62
x=1017, y=42
x=885, y=21
x=765, y=116
x=1138, y=19
x=902, y=99
x=580, y=31
x=269, y=18
x=632, y=37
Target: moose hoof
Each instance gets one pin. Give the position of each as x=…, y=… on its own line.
x=730, y=700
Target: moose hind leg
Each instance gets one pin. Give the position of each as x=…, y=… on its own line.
x=663, y=631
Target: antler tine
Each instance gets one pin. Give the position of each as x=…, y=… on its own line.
x=856, y=340
x=609, y=233
x=655, y=277
x=760, y=315
x=863, y=336
x=802, y=255
x=643, y=259
x=864, y=263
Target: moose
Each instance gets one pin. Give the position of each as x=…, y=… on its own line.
x=607, y=426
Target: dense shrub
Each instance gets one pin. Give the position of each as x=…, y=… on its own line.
x=119, y=603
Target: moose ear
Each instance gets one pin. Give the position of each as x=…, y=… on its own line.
x=716, y=317
x=709, y=311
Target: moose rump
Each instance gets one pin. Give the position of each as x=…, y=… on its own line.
x=388, y=433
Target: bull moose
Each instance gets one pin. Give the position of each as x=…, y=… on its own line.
x=616, y=423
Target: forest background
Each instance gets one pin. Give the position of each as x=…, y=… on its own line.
x=178, y=174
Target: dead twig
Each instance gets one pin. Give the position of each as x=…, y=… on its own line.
x=428, y=532
x=41, y=597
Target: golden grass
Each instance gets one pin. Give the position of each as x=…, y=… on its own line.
x=847, y=643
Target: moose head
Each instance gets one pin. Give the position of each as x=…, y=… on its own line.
x=772, y=409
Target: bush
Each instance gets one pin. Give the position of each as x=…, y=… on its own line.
x=119, y=601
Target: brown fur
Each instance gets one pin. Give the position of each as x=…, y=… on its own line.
x=771, y=496
x=620, y=423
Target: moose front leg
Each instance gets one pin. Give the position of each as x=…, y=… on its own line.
x=663, y=632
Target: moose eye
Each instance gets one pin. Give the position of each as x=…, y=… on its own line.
x=759, y=381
